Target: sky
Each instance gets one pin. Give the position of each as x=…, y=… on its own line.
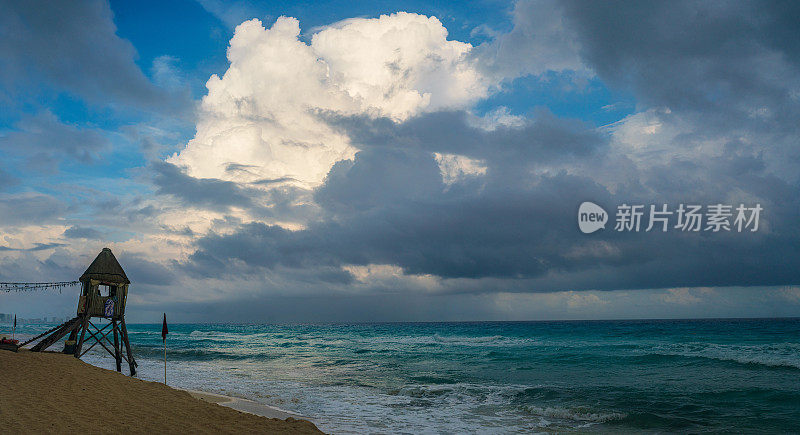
x=254, y=161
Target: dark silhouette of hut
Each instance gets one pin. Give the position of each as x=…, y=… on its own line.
x=104, y=292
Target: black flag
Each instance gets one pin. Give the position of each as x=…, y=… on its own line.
x=164, y=332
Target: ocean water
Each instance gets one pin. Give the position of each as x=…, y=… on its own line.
x=505, y=377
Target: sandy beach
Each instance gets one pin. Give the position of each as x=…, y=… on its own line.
x=53, y=392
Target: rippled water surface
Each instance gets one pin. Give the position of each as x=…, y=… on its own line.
x=631, y=376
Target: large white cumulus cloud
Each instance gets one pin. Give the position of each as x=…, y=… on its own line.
x=259, y=120
x=399, y=64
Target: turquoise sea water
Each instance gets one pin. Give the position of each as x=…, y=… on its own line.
x=609, y=376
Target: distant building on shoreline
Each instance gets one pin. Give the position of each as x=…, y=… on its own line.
x=9, y=318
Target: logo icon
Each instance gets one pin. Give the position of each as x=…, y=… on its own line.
x=591, y=217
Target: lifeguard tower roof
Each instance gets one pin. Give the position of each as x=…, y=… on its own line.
x=105, y=268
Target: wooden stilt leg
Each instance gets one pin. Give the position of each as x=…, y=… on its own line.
x=116, y=346
x=79, y=345
x=73, y=335
x=131, y=361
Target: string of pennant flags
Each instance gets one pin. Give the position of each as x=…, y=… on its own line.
x=33, y=286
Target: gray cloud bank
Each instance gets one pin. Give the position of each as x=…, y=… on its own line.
x=389, y=206
x=722, y=72
x=74, y=47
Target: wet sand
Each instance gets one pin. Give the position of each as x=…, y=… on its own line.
x=244, y=405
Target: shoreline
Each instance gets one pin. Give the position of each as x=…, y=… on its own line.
x=53, y=392
x=245, y=405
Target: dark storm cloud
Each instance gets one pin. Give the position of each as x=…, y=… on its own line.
x=278, y=202
x=513, y=235
x=58, y=266
x=42, y=137
x=378, y=177
x=29, y=209
x=71, y=46
x=201, y=192
x=542, y=139
x=273, y=181
x=36, y=247
x=728, y=62
x=143, y=271
x=75, y=232
x=397, y=307
x=509, y=152
x=389, y=206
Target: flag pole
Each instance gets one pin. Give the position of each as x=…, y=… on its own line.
x=164, y=332
x=14, y=329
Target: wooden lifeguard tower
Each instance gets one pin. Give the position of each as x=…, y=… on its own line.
x=104, y=291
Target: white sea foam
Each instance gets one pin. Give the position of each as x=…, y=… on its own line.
x=575, y=414
x=770, y=355
x=343, y=409
x=458, y=340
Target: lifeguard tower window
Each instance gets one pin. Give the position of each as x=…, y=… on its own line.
x=108, y=290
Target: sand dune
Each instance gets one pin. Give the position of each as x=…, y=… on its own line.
x=52, y=392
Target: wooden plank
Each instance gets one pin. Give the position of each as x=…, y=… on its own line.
x=79, y=345
x=88, y=348
x=131, y=362
x=98, y=338
x=100, y=341
x=116, y=346
x=99, y=330
x=9, y=346
x=48, y=331
x=42, y=334
x=54, y=337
